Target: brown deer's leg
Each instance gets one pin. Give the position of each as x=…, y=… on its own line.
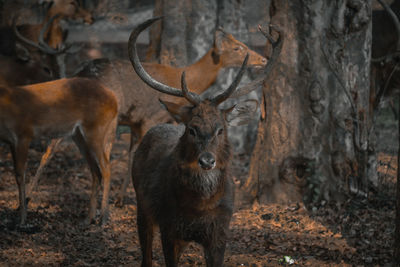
x=105, y=154
x=43, y=162
x=135, y=137
x=80, y=141
x=20, y=154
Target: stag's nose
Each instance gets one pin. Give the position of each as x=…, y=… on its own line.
x=207, y=161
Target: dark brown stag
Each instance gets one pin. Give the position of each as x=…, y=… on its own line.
x=181, y=173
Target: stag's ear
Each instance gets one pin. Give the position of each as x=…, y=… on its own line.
x=178, y=112
x=242, y=113
x=22, y=53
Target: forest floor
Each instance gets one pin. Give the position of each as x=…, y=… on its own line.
x=356, y=233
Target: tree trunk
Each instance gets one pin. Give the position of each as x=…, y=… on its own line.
x=312, y=138
x=396, y=250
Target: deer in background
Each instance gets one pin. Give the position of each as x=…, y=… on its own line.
x=55, y=35
x=181, y=173
x=24, y=66
x=80, y=107
x=34, y=53
x=138, y=107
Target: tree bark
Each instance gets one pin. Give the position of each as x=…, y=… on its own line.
x=312, y=138
x=396, y=250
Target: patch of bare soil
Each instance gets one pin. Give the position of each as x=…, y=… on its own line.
x=356, y=233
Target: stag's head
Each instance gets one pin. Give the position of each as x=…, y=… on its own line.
x=204, y=144
x=230, y=52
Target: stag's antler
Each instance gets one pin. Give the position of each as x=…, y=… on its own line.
x=41, y=45
x=184, y=92
x=276, y=50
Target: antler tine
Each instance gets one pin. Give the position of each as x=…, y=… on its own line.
x=191, y=97
x=225, y=95
x=141, y=72
x=276, y=50
x=19, y=35
x=44, y=46
x=41, y=45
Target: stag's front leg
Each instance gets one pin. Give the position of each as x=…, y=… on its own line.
x=19, y=152
x=215, y=255
x=172, y=247
x=146, y=231
x=215, y=243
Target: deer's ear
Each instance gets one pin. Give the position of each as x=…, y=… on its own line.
x=178, y=112
x=219, y=37
x=241, y=113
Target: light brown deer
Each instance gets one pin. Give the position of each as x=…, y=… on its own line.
x=138, y=106
x=181, y=173
x=79, y=107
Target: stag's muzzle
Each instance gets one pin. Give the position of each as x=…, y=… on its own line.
x=207, y=161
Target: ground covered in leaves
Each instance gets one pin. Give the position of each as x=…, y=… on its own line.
x=356, y=233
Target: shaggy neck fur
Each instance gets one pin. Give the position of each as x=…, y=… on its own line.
x=203, y=182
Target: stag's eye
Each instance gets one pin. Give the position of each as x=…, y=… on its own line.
x=192, y=131
x=220, y=131
x=236, y=48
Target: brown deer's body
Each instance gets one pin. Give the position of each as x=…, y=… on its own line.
x=79, y=107
x=138, y=105
x=181, y=173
